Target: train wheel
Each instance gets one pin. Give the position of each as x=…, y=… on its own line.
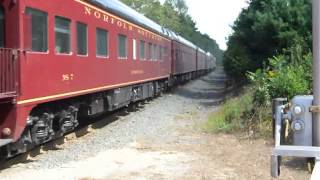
x=41, y=129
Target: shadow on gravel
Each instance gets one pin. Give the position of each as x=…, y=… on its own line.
x=210, y=90
x=300, y=164
x=212, y=103
x=115, y=116
x=21, y=159
x=216, y=88
x=29, y=156
x=200, y=94
x=214, y=80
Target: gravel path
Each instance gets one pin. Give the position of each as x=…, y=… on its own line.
x=158, y=139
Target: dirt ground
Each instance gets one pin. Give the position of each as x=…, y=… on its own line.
x=185, y=153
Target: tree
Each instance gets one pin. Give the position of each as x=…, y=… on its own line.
x=179, y=5
x=265, y=29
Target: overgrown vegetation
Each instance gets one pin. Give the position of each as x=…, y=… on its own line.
x=271, y=49
x=241, y=114
x=173, y=14
x=268, y=28
x=230, y=115
x=271, y=46
x=282, y=78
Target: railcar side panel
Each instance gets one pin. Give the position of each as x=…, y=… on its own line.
x=48, y=76
x=201, y=60
x=183, y=58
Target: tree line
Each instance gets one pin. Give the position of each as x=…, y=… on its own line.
x=173, y=14
x=270, y=52
x=271, y=46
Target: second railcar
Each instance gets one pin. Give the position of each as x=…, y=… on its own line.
x=201, y=62
x=184, y=62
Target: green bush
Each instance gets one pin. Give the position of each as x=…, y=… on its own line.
x=232, y=114
x=289, y=82
x=267, y=28
x=271, y=44
x=284, y=77
x=241, y=114
x=261, y=86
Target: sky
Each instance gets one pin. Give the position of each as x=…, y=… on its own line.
x=215, y=17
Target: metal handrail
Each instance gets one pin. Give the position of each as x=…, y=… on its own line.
x=9, y=77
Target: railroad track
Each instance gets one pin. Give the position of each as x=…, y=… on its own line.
x=85, y=128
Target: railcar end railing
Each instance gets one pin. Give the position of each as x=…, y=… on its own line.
x=9, y=73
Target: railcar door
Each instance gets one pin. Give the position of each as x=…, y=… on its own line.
x=2, y=28
x=8, y=51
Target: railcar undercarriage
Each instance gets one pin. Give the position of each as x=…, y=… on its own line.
x=52, y=120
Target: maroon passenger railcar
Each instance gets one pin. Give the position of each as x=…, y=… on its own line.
x=201, y=61
x=66, y=49
x=63, y=59
x=184, y=59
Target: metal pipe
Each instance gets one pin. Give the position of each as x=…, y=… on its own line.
x=316, y=69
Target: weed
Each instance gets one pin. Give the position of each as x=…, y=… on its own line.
x=241, y=114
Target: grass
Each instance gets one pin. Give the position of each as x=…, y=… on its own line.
x=240, y=114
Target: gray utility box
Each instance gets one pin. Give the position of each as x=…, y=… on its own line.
x=301, y=120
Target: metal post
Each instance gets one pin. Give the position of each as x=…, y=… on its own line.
x=278, y=127
x=316, y=69
x=275, y=104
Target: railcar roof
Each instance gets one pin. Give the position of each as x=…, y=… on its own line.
x=128, y=13
x=201, y=50
x=184, y=41
x=132, y=15
x=181, y=39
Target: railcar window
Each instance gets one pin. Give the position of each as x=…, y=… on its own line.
x=1, y=27
x=102, y=43
x=155, y=52
x=82, y=39
x=122, y=46
x=177, y=54
x=165, y=53
x=39, y=32
x=150, y=51
x=134, y=49
x=160, y=53
x=63, y=35
x=142, y=50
